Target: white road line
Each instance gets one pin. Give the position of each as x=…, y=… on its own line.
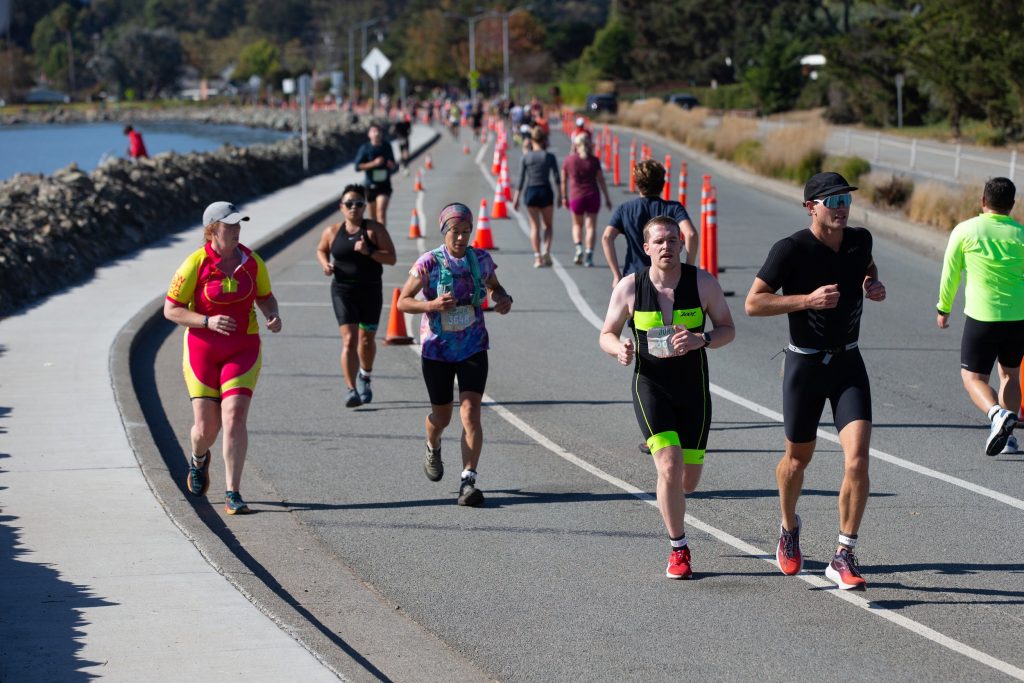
x=730, y=540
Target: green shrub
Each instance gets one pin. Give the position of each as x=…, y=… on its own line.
x=747, y=153
x=851, y=168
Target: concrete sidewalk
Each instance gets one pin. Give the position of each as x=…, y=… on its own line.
x=95, y=578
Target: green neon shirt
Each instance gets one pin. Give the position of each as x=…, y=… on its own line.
x=990, y=249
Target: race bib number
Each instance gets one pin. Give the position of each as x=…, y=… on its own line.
x=658, y=341
x=379, y=175
x=457, y=319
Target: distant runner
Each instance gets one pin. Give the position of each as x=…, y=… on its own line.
x=377, y=160
x=667, y=305
x=989, y=249
x=354, y=253
x=454, y=279
x=825, y=272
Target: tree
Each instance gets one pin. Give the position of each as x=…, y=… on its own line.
x=608, y=53
x=261, y=58
x=146, y=61
x=53, y=44
x=776, y=79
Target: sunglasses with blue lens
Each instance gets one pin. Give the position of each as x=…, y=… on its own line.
x=836, y=201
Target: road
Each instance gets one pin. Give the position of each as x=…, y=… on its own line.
x=561, y=575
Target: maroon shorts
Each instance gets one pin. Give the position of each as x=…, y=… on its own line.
x=590, y=203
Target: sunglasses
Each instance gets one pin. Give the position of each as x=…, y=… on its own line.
x=354, y=204
x=836, y=201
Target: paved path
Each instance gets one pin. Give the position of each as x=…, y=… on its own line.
x=95, y=579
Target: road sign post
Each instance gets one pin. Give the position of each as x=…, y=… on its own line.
x=376, y=65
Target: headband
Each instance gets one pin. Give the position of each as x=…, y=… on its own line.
x=452, y=214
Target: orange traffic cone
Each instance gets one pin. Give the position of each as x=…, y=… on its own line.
x=498, y=208
x=418, y=187
x=465, y=149
x=705, y=193
x=414, y=226
x=666, y=190
x=484, y=238
x=396, y=324
x=428, y=163
x=712, y=238
x=506, y=188
x=682, y=184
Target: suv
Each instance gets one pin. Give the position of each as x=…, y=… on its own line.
x=684, y=100
x=599, y=103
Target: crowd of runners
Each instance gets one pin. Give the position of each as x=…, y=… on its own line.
x=819, y=277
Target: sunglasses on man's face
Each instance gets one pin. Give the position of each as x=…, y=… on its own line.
x=354, y=204
x=836, y=201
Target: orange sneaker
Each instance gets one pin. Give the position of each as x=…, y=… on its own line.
x=787, y=554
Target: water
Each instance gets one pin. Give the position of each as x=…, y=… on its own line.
x=46, y=148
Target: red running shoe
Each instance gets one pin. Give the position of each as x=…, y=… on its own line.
x=679, y=564
x=845, y=572
x=787, y=554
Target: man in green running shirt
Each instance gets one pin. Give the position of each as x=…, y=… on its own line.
x=990, y=249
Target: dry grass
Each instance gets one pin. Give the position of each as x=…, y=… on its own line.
x=678, y=123
x=790, y=146
x=936, y=204
x=885, y=190
x=731, y=133
x=636, y=114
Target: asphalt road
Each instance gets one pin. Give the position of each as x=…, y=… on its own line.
x=561, y=575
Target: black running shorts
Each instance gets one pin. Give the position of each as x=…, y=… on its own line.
x=983, y=343
x=357, y=304
x=440, y=377
x=809, y=382
x=673, y=416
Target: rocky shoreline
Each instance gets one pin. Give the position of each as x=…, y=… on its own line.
x=55, y=230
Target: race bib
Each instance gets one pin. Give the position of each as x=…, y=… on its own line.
x=658, y=339
x=379, y=175
x=458, y=319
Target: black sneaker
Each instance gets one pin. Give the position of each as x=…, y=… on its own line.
x=198, y=479
x=363, y=388
x=432, y=466
x=469, y=494
x=352, y=399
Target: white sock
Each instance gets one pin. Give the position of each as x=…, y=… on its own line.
x=993, y=411
x=365, y=373
x=198, y=460
x=468, y=474
x=679, y=542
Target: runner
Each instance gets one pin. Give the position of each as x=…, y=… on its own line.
x=378, y=161
x=535, y=189
x=630, y=218
x=359, y=249
x=825, y=271
x=453, y=116
x=212, y=296
x=582, y=187
x=671, y=395
x=989, y=248
x=454, y=278
x=403, y=128
x=136, y=147
x=476, y=117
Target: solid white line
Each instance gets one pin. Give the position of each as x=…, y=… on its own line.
x=743, y=546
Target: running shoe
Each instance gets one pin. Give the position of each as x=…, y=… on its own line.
x=198, y=479
x=845, y=572
x=787, y=554
x=1002, y=426
x=234, y=505
x=432, y=466
x=469, y=494
x=588, y=259
x=363, y=388
x=352, y=400
x=547, y=259
x=1011, y=447
x=679, y=564
x=578, y=256
x=538, y=261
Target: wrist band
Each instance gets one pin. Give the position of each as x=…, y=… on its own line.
x=206, y=321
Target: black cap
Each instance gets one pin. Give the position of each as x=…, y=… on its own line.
x=825, y=184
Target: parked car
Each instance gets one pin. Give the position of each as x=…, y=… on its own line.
x=684, y=100
x=598, y=103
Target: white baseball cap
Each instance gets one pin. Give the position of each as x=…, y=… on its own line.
x=580, y=121
x=223, y=212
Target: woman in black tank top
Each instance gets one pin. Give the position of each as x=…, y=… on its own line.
x=354, y=252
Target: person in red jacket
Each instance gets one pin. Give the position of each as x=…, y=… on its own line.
x=136, y=147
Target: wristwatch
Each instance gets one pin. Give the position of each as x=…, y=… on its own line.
x=706, y=336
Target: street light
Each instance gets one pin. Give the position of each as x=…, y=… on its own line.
x=504, y=41
x=351, y=56
x=472, y=46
